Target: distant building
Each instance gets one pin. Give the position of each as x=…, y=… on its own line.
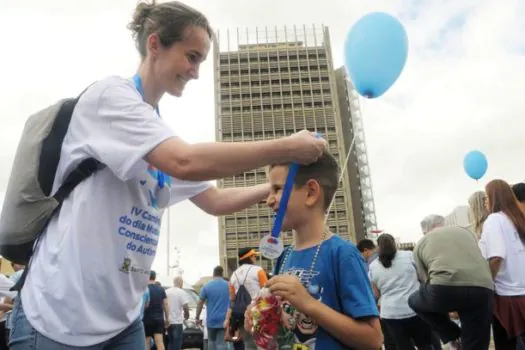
x=201, y=282
x=460, y=216
x=406, y=246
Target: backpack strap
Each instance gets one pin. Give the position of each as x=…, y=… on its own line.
x=246, y=276
x=85, y=169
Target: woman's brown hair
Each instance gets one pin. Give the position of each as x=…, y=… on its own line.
x=501, y=198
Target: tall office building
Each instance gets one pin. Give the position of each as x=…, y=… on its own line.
x=271, y=83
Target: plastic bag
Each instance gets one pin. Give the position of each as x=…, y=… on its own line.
x=266, y=316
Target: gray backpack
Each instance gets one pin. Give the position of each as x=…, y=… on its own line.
x=29, y=204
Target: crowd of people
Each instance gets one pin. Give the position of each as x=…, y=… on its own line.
x=459, y=284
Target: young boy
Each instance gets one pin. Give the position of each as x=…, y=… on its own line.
x=322, y=277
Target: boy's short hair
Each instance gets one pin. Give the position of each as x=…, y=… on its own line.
x=519, y=191
x=365, y=244
x=325, y=171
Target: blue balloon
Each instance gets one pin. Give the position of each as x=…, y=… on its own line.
x=475, y=164
x=376, y=50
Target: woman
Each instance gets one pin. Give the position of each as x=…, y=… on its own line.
x=394, y=278
x=91, y=267
x=477, y=212
x=502, y=244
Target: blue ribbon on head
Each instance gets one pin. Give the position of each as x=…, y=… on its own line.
x=283, y=204
x=138, y=85
x=281, y=212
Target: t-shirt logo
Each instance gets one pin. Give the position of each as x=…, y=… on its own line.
x=125, y=265
x=158, y=185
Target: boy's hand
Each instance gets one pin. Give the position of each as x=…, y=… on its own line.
x=291, y=289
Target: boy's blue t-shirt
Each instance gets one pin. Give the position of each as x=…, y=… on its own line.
x=342, y=282
x=217, y=295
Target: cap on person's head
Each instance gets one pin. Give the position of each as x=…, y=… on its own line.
x=431, y=222
x=245, y=253
x=152, y=275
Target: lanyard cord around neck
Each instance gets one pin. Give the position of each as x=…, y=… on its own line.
x=138, y=85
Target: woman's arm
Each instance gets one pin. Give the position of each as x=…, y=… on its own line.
x=377, y=293
x=495, y=265
x=214, y=160
x=223, y=201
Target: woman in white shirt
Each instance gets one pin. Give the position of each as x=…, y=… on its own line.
x=502, y=244
x=89, y=271
x=394, y=279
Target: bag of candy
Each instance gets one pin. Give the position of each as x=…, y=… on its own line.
x=266, y=316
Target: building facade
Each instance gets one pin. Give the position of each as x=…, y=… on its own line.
x=269, y=84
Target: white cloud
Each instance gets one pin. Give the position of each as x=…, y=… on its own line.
x=461, y=89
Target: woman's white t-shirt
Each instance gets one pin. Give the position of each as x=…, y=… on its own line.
x=395, y=285
x=500, y=238
x=89, y=272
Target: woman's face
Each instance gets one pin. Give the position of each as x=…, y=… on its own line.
x=487, y=203
x=180, y=63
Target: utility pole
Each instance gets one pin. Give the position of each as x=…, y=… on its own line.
x=168, y=244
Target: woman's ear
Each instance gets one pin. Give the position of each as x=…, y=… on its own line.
x=154, y=44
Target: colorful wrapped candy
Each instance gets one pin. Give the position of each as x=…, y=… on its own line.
x=266, y=316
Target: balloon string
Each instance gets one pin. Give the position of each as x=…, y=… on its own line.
x=340, y=178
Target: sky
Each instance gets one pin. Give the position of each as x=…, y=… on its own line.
x=461, y=89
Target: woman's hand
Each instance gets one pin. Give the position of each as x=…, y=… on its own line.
x=306, y=147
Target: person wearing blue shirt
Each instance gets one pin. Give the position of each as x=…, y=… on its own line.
x=216, y=294
x=18, y=272
x=145, y=302
x=321, y=278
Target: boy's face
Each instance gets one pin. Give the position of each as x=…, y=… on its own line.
x=302, y=199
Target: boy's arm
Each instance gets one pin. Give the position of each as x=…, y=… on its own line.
x=200, y=304
x=364, y=333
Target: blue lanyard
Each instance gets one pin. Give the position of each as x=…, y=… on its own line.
x=287, y=190
x=138, y=84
